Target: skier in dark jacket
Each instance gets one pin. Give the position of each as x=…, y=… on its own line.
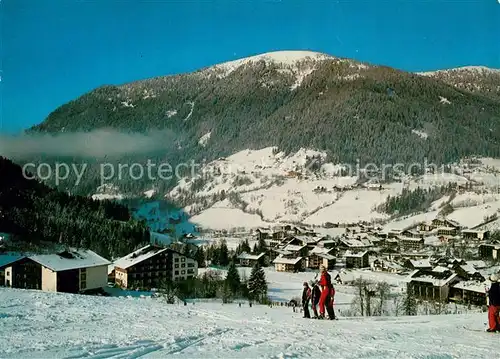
x=494, y=304
x=306, y=296
x=315, y=295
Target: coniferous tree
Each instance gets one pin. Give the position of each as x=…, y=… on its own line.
x=200, y=257
x=223, y=253
x=255, y=249
x=233, y=279
x=245, y=246
x=261, y=246
x=257, y=285
x=409, y=302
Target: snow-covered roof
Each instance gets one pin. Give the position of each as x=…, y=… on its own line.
x=423, y=263
x=477, y=264
x=282, y=260
x=293, y=248
x=10, y=257
x=138, y=256
x=468, y=269
x=70, y=259
x=440, y=269
x=473, y=286
x=246, y=255
x=357, y=255
x=282, y=252
x=326, y=256
x=427, y=278
x=308, y=239
x=410, y=239
x=318, y=250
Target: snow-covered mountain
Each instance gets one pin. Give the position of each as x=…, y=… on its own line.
x=53, y=325
x=478, y=79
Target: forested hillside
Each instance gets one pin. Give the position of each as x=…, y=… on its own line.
x=353, y=111
x=36, y=214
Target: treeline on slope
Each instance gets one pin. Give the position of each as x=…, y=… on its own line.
x=34, y=214
x=356, y=119
x=211, y=284
x=411, y=201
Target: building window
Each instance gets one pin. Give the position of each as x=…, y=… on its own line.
x=183, y=259
x=176, y=272
x=183, y=272
x=7, y=273
x=183, y=265
x=177, y=265
x=176, y=259
x=190, y=265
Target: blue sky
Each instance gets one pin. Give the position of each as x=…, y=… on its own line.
x=52, y=51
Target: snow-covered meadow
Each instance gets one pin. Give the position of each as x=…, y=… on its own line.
x=53, y=325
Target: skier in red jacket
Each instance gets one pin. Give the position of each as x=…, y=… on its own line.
x=325, y=301
x=494, y=304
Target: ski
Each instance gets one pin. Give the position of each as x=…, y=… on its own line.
x=479, y=330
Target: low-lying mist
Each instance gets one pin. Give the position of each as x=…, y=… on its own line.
x=94, y=144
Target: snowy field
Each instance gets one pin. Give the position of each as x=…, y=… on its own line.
x=51, y=325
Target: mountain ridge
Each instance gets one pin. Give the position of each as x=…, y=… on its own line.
x=352, y=110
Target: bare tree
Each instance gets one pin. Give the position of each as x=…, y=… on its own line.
x=383, y=292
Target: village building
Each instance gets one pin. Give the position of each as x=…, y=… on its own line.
x=379, y=265
x=475, y=234
x=445, y=222
x=261, y=233
x=425, y=227
x=327, y=243
x=412, y=234
x=431, y=285
x=69, y=271
x=150, y=266
x=467, y=272
x=489, y=251
x=411, y=244
x=413, y=264
x=282, y=264
x=320, y=256
x=295, y=250
x=469, y=292
x=249, y=260
x=356, y=260
x=447, y=231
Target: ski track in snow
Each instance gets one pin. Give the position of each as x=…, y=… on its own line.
x=51, y=325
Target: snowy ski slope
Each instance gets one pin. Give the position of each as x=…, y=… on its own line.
x=50, y=325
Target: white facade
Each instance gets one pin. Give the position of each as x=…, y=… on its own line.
x=49, y=280
x=93, y=277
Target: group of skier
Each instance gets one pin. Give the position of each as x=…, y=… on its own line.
x=321, y=293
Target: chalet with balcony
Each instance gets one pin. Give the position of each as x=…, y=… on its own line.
x=412, y=234
x=249, y=260
x=356, y=260
x=423, y=264
x=470, y=292
x=489, y=251
x=70, y=271
x=411, y=244
x=151, y=266
x=475, y=234
x=282, y=264
x=320, y=256
x=429, y=285
x=447, y=231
